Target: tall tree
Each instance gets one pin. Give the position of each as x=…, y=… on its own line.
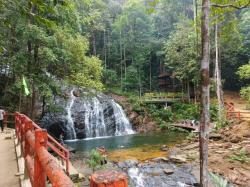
x=205, y=96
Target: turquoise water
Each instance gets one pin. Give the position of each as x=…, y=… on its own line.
x=128, y=141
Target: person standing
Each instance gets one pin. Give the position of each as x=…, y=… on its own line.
x=2, y=118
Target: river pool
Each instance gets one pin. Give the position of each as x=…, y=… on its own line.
x=136, y=146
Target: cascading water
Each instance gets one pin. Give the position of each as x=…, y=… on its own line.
x=136, y=177
x=96, y=116
x=122, y=123
x=96, y=120
x=70, y=122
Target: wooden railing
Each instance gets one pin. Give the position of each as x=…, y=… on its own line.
x=39, y=163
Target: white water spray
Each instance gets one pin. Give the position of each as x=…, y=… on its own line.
x=136, y=177
x=70, y=125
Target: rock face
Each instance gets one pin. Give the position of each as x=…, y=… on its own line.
x=82, y=115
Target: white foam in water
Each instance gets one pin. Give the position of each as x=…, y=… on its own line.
x=180, y=184
x=136, y=177
x=71, y=126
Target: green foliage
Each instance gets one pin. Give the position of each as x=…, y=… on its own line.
x=110, y=77
x=161, y=114
x=218, y=180
x=244, y=73
x=44, y=41
x=184, y=111
x=192, y=135
x=95, y=159
x=242, y=156
x=181, y=54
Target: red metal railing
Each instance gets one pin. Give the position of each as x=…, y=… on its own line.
x=39, y=163
x=231, y=113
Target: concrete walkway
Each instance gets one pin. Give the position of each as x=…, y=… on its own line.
x=8, y=162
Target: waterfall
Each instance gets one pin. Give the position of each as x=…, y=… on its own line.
x=70, y=122
x=96, y=119
x=96, y=116
x=123, y=125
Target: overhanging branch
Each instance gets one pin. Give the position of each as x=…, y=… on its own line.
x=231, y=6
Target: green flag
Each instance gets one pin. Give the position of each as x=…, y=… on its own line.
x=26, y=90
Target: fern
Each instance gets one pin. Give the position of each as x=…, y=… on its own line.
x=218, y=181
x=241, y=157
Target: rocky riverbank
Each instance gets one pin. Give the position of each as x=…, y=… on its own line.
x=179, y=165
x=229, y=153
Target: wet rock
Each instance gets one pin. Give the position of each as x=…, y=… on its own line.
x=158, y=159
x=215, y=136
x=97, y=107
x=164, y=148
x=153, y=175
x=128, y=164
x=168, y=171
x=76, y=93
x=178, y=159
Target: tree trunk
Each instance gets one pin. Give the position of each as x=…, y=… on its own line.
x=188, y=90
x=121, y=57
x=43, y=105
x=139, y=79
x=104, y=49
x=182, y=91
x=195, y=96
x=150, y=75
x=94, y=43
x=125, y=63
x=33, y=101
x=205, y=95
x=218, y=75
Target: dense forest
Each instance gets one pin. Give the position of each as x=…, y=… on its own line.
x=116, y=45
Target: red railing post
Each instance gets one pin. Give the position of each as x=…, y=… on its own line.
x=22, y=133
x=239, y=115
x=28, y=126
x=67, y=162
x=41, y=139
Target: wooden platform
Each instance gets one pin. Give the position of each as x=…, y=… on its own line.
x=187, y=127
x=8, y=161
x=194, y=128
x=160, y=100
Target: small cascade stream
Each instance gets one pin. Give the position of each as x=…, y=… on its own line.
x=136, y=177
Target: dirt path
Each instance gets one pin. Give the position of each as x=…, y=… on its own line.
x=8, y=163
